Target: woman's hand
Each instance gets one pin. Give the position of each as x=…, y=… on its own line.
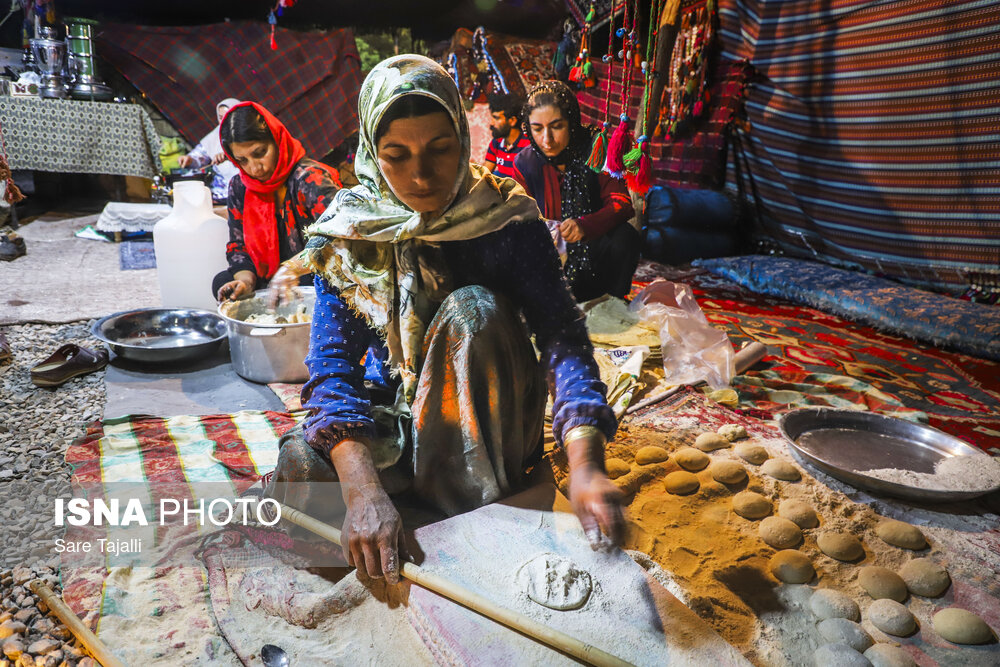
x=596, y=501
x=218, y=158
x=284, y=281
x=372, y=537
x=571, y=231
x=185, y=161
x=242, y=287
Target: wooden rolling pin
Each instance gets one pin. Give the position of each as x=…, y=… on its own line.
x=97, y=648
x=477, y=603
x=744, y=359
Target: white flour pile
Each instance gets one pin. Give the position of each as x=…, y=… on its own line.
x=956, y=473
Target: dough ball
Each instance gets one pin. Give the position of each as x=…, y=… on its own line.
x=691, y=459
x=728, y=472
x=782, y=470
x=881, y=583
x=801, y=513
x=962, y=627
x=887, y=655
x=925, y=577
x=708, y=442
x=842, y=546
x=842, y=631
x=651, y=454
x=616, y=468
x=732, y=432
x=751, y=505
x=711, y=489
x=900, y=534
x=828, y=603
x=554, y=582
x=839, y=655
x=751, y=453
x=779, y=533
x=791, y=567
x=891, y=618
x=681, y=482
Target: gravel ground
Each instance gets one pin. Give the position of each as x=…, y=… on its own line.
x=36, y=427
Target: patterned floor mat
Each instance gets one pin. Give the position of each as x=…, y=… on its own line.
x=820, y=359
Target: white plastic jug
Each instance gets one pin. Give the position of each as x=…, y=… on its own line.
x=190, y=246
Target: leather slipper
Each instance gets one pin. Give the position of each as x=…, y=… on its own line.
x=11, y=247
x=66, y=363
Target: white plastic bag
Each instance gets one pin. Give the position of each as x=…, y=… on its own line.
x=693, y=350
x=557, y=238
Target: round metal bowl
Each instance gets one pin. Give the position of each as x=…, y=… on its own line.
x=267, y=353
x=161, y=335
x=847, y=443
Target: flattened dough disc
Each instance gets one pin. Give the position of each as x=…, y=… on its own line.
x=554, y=582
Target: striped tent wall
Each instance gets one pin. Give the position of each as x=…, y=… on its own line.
x=874, y=131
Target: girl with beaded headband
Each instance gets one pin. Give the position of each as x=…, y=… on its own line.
x=588, y=211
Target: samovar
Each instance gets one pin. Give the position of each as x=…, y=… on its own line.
x=87, y=85
x=50, y=56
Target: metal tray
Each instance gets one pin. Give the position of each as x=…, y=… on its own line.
x=845, y=443
x=161, y=335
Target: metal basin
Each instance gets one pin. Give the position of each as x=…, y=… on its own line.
x=269, y=352
x=161, y=335
x=846, y=443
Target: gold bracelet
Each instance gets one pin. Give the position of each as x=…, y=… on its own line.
x=585, y=432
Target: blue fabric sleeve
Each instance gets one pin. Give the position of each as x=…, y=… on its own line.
x=537, y=284
x=335, y=395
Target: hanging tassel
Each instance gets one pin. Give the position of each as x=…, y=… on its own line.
x=576, y=73
x=589, y=75
x=621, y=139
x=599, y=151
x=12, y=194
x=631, y=158
x=642, y=179
x=273, y=20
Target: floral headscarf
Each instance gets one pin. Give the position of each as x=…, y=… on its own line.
x=366, y=244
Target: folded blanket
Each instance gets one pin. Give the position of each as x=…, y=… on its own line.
x=927, y=317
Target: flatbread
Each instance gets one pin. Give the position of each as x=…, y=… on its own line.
x=610, y=322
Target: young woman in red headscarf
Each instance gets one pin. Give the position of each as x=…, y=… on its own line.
x=278, y=194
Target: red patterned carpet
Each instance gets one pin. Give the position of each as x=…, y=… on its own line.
x=820, y=359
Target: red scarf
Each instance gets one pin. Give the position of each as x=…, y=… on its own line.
x=260, y=217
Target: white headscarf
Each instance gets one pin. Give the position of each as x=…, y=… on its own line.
x=212, y=144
